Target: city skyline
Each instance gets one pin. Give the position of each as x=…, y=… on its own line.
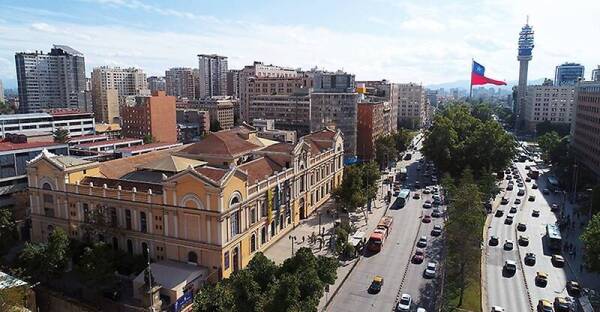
x=399, y=41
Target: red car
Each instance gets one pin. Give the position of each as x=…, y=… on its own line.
x=418, y=256
x=427, y=219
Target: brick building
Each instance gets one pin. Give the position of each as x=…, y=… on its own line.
x=150, y=115
x=371, y=125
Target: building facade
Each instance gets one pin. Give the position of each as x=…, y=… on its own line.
x=51, y=81
x=150, y=116
x=412, y=101
x=192, y=124
x=213, y=204
x=586, y=126
x=212, y=75
x=371, y=125
x=156, y=83
x=568, y=74
x=383, y=90
x=110, y=86
x=75, y=122
x=180, y=82
x=549, y=103
x=220, y=108
x=233, y=83
x=596, y=74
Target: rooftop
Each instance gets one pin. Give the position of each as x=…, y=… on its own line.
x=171, y=163
x=150, y=146
x=6, y=146
x=118, y=167
x=107, y=142
x=223, y=143
x=259, y=168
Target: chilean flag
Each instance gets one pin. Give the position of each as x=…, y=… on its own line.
x=478, y=78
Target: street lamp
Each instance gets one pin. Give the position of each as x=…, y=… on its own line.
x=293, y=239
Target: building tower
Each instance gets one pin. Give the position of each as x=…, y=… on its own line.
x=212, y=80
x=524, y=56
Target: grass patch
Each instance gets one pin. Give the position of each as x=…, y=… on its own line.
x=471, y=297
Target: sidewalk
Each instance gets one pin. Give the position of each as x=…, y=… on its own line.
x=282, y=249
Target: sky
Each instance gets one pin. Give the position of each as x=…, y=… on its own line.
x=423, y=41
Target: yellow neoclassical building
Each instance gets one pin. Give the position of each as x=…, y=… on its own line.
x=213, y=203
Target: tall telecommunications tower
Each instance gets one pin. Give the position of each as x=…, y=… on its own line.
x=524, y=56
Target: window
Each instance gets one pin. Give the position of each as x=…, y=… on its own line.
x=145, y=250
x=113, y=216
x=252, y=216
x=226, y=260
x=128, y=219
x=86, y=213
x=235, y=223
x=143, y=225
x=263, y=235
x=192, y=257
x=129, y=247
x=253, y=243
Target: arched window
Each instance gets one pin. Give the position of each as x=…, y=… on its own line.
x=48, y=198
x=263, y=235
x=47, y=186
x=236, y=198
x=143, y=223
x=253, y=243
x=192, y=257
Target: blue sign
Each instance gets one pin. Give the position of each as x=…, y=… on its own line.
x=183, y=301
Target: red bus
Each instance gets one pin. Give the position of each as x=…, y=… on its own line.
x=380, y=234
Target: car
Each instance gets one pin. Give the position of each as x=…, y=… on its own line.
x=416, y=196
x=531, y=198
x=546, y=191
x=427, y=204
x=494, y=240
x=513, y=209
x=508, y=244
x=562, y=304
x=376, y=284
x=517, y=201
x=426, y=191
x=508, y=177
x=418, y=256
x=541, y=279
x=504, y=201
x=573, y=288
x=521, y=227
x=534, y=186
x=436, y=213
x=554, y=207
x=535, y=213
x=509, y=187
x=520, y=184
x=422, y=242
x=497, y=309
x=523, y=240
x=404, y=303
x=510, y=267
x=421, y=310
x=558, y=261
x=430, y=270
x=426, y=219
x=527, y=167
x=544, y=306
x=499, y=213
x=528, y=179
x=521, y=192
x=530, y=259
x=437, y=230
x=508, y=220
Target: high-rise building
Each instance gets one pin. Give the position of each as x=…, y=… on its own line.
x=150, y=116
x=258, y=70
x=233, y=83
x=1, y=92
x=289, y=111
x=212, y=75
x=524, y=56
x=549, y=103
x=334, y=103
x=385, y=91
x=568, y=74
x=156, y=83
x=180, y=82
x=412, y=105
x=220, y=108
x=586, y=126
x=110, y=86
x=50, y=81
x=596, y=74
x=371, y=125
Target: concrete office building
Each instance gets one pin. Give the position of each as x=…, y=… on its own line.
x=233, y=83
x=258, y=70
x=51, y=81
x=549, y=103
x=212, y=75
x=156, y=83
x=334, y=104
x=33, y=124
x=180, y=82
x=586, y=126
x=213, y=204
x=220, y=108
x=524, y=56
x=290, y=112
x=412, y=105
x=568, y=74
x=150, y=115
x=110, y=86
x=266, y=129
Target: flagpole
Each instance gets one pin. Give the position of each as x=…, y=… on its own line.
x=471, y=84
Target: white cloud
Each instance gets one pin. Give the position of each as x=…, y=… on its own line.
x=43, y=27
x=422, y=24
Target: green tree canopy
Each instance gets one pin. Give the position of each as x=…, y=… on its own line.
x=61, y=135
x=591, y=240
x=46, y=261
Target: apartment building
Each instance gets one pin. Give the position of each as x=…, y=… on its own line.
x=586, y=126
x=50, y=81
x=110, y=86
x=385, y=91
x=192, y=124
x=150, y=116
x=290, y=111
x=180, y=82
x=258, y=70
x=220, y=108
x=212, y=75
x=33, y=124
x=549, y=103
x=412, y=103
x=334, y=103
x=373, y=122
x=212, y=204
x=233, y=83
x=156, y=83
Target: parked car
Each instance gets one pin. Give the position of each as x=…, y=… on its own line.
x=508, y=220
x=427, y=204
x=430, y=270
x=535, y=213
x=418, y=256
x=521, y=192
x=544, y=306
x=509, y=187
x=573, y=288
x=499, y=213
x=523, y=240
x=546, y=191
x=497, y=309
x=541, y=279
x=517, y=201
x=554, y=207
x=558, y=261
x=530, y=259
x=427, y=219
x=521, y=227
x=531, y=198
x=404, y=303
x=437, y=230
x=510, y=267
x=504, y=201
x=513, y=209
x=416, y=196
x=493, y=240
x=534, y=186
x=422, y=242
x=562, y=304
x=436, y=213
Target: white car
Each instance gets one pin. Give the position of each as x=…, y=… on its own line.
x=497, y=309
x=404, y=303
x=421, y=310
x=430, y=270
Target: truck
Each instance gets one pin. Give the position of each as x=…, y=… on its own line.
x=380, y=234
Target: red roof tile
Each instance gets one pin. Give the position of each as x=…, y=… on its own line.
x=279, y=148
x=215, y=174
x=225, y=143
x=259, y=168
x=9, y=146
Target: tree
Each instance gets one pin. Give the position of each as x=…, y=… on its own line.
x=548, y=143
x=385, y=150
x=148, y=138
x=61, y=135
x=215, y=125
x=98, y=264
x=562, y=129
x=358, y=187
x=46, y=261
x=482, y=111
x=214, y=298
x=6, y=109
x=591, y=240
x=7, y=229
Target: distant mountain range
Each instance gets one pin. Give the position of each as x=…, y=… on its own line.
x=464, y=84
